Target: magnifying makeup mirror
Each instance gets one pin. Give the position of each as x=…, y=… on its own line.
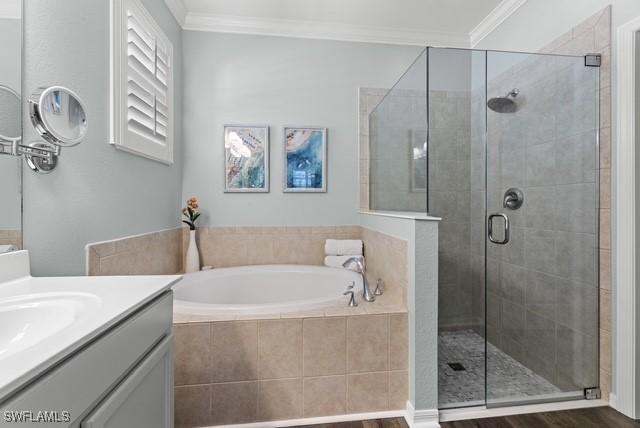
x=58, y=115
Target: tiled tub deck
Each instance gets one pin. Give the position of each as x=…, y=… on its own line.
x=288, y=366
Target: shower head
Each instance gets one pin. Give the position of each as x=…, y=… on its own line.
x=506, y=104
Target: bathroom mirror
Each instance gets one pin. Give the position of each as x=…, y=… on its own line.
x=10, y=112
x=10, y=127
x=58, y=115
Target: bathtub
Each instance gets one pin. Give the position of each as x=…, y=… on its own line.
x=266, y=289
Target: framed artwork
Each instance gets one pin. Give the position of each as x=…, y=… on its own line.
x=418, y=160
x=305, y=159
x=246, y=158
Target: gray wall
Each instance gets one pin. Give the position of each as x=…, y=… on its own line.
x=233, y=79
x=10, y=61
x=97, y=192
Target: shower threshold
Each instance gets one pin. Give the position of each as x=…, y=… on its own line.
x=480, y=412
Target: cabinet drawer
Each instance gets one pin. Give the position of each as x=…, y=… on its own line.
x=80, y=382
x=144, y=399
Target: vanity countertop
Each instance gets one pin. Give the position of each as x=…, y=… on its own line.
x=44, y=320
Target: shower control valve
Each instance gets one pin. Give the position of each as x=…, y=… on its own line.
x=513, y=198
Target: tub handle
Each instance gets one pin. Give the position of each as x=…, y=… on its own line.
x=352, y=297
x=379, y=287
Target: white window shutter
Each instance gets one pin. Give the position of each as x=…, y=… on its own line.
x=142, y=83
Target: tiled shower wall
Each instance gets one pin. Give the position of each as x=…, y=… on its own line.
x=543, y=285
x=396, y=127
x=542, y=293
x=594, y=36
x=508, y=305
x=368, y=99
x=402, y=119
x=449, y=198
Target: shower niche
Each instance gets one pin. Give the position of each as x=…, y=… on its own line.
x=503, y=147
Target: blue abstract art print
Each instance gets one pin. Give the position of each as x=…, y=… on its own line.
x=246, y=158
x=305, y=159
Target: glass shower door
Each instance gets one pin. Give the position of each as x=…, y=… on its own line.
x=542, y=228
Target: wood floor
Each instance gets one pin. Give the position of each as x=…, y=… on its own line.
x=381, y=423
x=598, y=417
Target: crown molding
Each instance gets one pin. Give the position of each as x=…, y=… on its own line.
x=10, y=9
x=178, y=9
x=334, y=31
x=497, y=16
x=320, y=30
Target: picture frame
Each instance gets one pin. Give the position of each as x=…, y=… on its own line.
x=304, y=159
x=246, y=158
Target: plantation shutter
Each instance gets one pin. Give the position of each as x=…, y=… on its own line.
x=145, y=96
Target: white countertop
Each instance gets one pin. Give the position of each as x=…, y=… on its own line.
x=105, y=300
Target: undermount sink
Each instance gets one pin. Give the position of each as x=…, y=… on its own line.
x=27, y=320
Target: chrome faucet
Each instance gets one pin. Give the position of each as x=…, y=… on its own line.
x=359, y=262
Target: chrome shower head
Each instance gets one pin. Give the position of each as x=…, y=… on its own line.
x=506, y=104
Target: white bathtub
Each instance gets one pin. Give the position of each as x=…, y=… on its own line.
x=266, y=289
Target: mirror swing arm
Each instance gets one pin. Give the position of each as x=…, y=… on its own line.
x=13, y=147
x=58, y=115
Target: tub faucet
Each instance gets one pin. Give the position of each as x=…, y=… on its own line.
x=359, y=263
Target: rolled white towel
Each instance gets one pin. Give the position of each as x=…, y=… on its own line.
x=343, y=247
x=7, y=248
x=338, y=261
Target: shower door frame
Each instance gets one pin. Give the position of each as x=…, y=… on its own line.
x=562, y=396
x=592, y=391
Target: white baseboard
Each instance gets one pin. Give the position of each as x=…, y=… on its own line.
x=429, y=418
x=613, y=400
x=319, y=420
x=421, y=418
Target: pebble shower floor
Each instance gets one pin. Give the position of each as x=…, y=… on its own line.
x=508, y=378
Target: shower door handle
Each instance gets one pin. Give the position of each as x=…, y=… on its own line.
x=490, y=228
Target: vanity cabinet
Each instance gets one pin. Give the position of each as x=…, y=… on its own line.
x=122, y=378
x=144, y=398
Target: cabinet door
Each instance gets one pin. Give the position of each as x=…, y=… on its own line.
x=144, y=399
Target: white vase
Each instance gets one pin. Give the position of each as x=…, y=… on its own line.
x=192, y=263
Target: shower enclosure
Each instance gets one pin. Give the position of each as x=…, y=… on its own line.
x=504, y=148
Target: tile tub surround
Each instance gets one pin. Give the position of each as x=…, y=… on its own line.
x=274, y=369
x=163, y=252
x=155, y=253
x=386, y=255
x=243, y=246
x=11, y=237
